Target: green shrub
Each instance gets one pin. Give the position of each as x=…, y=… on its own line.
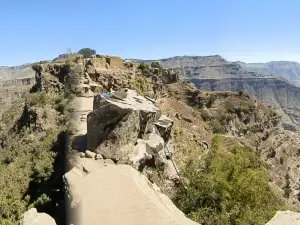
x=211, y=101
x=143, y=67
x=140, y=84
x=232, y=188
x=156, y=65
x=87, y=52
x=37, y=99
x=217, y=127
x=205, y=115
x=26, y=159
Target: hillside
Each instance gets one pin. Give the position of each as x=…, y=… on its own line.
x=124, y=143
x=15, y=72
x=286, y=69
x=215, y=73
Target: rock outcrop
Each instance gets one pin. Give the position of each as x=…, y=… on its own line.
x=285, y=218
x=32, y=217
x=214, y=73
x=100, y=73
x=124, y=196
x=276, y=93
x=115, y=124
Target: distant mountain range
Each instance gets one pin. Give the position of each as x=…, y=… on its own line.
x=276, y=89
x=286, y=69
x=16, y=72
x=217, y=67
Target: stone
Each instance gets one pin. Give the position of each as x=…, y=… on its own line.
x=170, y=171
x=186, y=119
x=98, y=156
x=124, y=196
x=148, y=149
x=114, y=125
x=140, y=155
x=164, y=125
x=115, y=62
x=154, y=142
x=122, y=138
x=32, y=217
x=98, y=62
x=90, y=154
x=285, y=218
x=82, y=154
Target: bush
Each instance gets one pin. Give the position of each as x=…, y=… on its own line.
x=87, y=52
x=140, y=84
x=217, y=127
x=231, y=188
x=205, y=115
x=27, y=159
x=156, y=65
x=143, y=67
x=211, y=101
x=37, y=99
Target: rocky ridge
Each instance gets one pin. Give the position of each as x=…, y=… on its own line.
x=116, y=125
x=16, y=72
x=286, y=69
x=214, y=73
x=251, y=123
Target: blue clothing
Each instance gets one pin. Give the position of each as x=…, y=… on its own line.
x=106, y=95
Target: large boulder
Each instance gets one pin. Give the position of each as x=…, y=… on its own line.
x=148, y=151
x=285, y=218
x=116, y=123
x=118, y=194
x=32, y=217
x=164, y=125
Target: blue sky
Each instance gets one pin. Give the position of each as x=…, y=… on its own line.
x=245, y=30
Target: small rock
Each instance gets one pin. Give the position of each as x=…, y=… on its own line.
x=82, y=155
x=90, y=154
x=187, y=119
x=32, y=217
x=98, y=156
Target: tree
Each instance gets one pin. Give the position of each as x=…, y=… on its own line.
x=87, y=52
x=155, y=65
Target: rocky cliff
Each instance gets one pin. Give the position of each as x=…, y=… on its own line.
x=138, y=138
x=286, y=69
x=15, y=72
x=215, y=73
x=276, y=93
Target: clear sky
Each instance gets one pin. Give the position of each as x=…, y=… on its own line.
x=245, y=30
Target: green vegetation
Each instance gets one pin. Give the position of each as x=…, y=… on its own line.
x=217, y=127
x=140, y=84
x=28, y=167
x=143, y=67
x=87, y=52
x=156, y=65
x=229, y=187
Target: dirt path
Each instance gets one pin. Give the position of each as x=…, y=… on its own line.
x=82, y=107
